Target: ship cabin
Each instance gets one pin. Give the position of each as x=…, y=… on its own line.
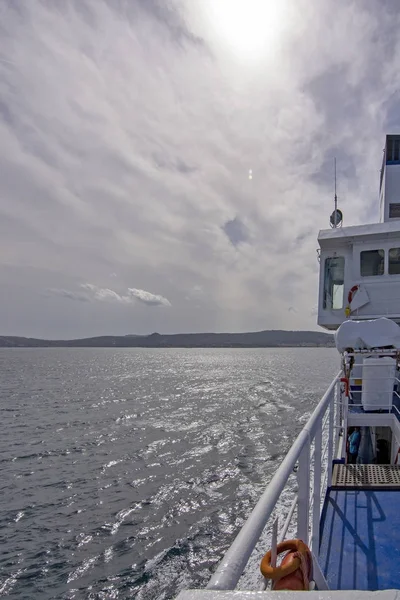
x=359, y=298
x=360, y=265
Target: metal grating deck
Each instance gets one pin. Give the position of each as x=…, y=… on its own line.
x=366, y=476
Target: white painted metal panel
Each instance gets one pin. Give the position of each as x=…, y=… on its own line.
x=392, y=187
x=378, y=377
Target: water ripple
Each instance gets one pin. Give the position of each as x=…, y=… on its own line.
x=127, y=473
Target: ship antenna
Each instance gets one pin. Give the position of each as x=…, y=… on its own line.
x=335, y=195
x=336, y=219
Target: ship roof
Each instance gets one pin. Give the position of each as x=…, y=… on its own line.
x=371, y=230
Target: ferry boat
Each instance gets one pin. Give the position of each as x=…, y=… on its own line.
x=345, y=509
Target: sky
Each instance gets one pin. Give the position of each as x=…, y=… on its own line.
x=166, y=165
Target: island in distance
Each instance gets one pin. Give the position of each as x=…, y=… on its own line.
x=257, y=339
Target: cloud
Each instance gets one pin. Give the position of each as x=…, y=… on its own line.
x=148, y=298
x=128, y=131
x=93, y=293
x=236, y=231
x=81, y=296
x=103, y=294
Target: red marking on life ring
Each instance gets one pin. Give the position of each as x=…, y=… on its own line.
x=352, y=292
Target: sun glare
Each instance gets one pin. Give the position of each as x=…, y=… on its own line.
x=250, y=28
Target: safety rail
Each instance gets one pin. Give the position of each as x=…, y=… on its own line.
x=309, y=497
x=396, y=380
x=356, y=388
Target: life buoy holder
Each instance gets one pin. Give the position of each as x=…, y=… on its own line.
x=350, y=297
x=291, y=565
x=352, y=292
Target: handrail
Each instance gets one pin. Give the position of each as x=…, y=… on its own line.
x=288, y=519
x=233, y=563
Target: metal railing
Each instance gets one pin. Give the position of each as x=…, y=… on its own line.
x=360, y=395
x=314, y=475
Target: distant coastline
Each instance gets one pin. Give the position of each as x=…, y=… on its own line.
x=257, y=339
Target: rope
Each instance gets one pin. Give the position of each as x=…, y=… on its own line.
x=305, y=568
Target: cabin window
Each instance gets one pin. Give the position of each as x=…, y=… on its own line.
x=394, y=210
x=389, y=148
x=396, y=150
x=394, y=261
x=334, y=283
x=372, y=262
x=393, y=150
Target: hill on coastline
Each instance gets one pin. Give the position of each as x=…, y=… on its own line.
x=257, y=339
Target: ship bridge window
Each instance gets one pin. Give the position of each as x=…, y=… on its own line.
x=396, y=149
x=394, y=261
x=334, y=283
x=393, y=150
x=372, y=262
x=394, y=210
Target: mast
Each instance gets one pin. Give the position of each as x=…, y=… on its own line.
x=336, y=215
x=336, y=218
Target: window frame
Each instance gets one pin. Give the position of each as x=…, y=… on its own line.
x=392, y=150
x=388, y=261
x=393, y=207
x=325, y=296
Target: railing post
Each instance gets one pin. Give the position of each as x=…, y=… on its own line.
x=274, y=542
x=345, y=413
x=338, y=416
x=330, y=441
x=303, y=480
x=316, y=491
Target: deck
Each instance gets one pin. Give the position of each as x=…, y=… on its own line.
x=360, y=539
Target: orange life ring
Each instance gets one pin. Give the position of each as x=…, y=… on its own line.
x=351, y=293
x=291, y=565
x=296, y=569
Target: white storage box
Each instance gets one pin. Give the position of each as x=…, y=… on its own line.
x=378, y=378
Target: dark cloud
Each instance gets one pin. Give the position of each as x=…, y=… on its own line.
x=169, y=15
x=236, y=231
